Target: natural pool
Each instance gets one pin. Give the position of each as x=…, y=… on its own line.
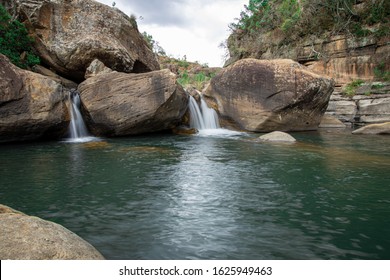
x=210, y=196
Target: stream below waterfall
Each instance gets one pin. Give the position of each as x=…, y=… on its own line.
x=221, y=196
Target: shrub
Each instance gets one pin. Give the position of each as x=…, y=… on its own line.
x=15, y=42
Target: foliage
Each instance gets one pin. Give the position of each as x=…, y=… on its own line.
x=15, y=42
x=350, y=89
x=197, y=80
x=153, y=44
x=312, y=16
x=381, y=73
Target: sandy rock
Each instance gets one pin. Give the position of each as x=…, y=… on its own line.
x=269, y=95
x=25, y=237
x=31, y=105
x=277, y=136
x=119, y=104
x=383, y=128
x=70, y=34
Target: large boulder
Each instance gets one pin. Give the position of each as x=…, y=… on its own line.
x=119, y=104
x=31, y=105
x=25, y=237
x=70, y=34
x=269, y=95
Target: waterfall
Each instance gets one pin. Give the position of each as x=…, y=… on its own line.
x=78, y=131
x=202, y=117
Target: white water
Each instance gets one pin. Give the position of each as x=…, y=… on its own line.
x=206, y=121
x=202, y=117
x=78, y=132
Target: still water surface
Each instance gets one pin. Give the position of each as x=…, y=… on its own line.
x=210, y=197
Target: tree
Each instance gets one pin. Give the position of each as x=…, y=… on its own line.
x=15, y=42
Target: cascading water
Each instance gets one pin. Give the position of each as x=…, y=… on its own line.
x=202, y=117
x=78, y=131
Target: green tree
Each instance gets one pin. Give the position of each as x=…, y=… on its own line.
x=15, y=42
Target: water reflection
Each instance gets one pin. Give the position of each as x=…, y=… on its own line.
x=194, y=197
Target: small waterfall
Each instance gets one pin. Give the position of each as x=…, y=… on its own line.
x=202, y=117
x=78, y=131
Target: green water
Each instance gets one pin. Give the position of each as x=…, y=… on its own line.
x=193, y=197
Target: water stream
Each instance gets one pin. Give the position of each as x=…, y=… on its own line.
x=77, y=131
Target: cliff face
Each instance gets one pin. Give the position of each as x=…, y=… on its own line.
x=345, y=42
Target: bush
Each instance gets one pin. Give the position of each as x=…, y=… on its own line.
x=15, y=42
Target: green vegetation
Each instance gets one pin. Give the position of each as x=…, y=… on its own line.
x=153, y=44
x=350, y=89
x=314, y=16
x=15, y=42
x=381, y=73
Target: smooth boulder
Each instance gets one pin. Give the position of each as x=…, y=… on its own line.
x=70, y=34
x=379, y=128
x=120, y=104
x=24, y=237
x=31, y=105
x=269, y=95
x=277, y=136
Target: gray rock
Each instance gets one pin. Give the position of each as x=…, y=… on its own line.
x=25, y=237
x=31, y=105
x=119, y=104
x=269, y=95
x=69, y=35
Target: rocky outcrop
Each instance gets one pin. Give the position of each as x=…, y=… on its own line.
x=345, y=41
x=118, y=104
x=277, y=136
x=345, y=58
x=269, y=95
x=25, y=237
x=70, y=34
x=382, y=128
x=360, y=109
x=31, y=105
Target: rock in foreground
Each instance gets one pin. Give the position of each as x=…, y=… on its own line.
x=269, y=95
x=120, y=104
x=25, y=237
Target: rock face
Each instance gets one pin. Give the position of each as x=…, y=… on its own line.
x=269, y=95
x=119, y=104
x=383, y=128
x=70, y=34
x=25, y=237
x=361, y=109
x=31, y=105
x=278, y=136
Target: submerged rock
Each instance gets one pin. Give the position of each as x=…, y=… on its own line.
x=68, y=35
x=278, y=136
x=119, y=104
x=25, y=237
x=382, y=128
x=269, y=95
x=31, y=105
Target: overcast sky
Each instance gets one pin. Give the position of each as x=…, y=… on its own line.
x=191, y=28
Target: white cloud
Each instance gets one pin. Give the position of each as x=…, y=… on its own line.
x=185, y=27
